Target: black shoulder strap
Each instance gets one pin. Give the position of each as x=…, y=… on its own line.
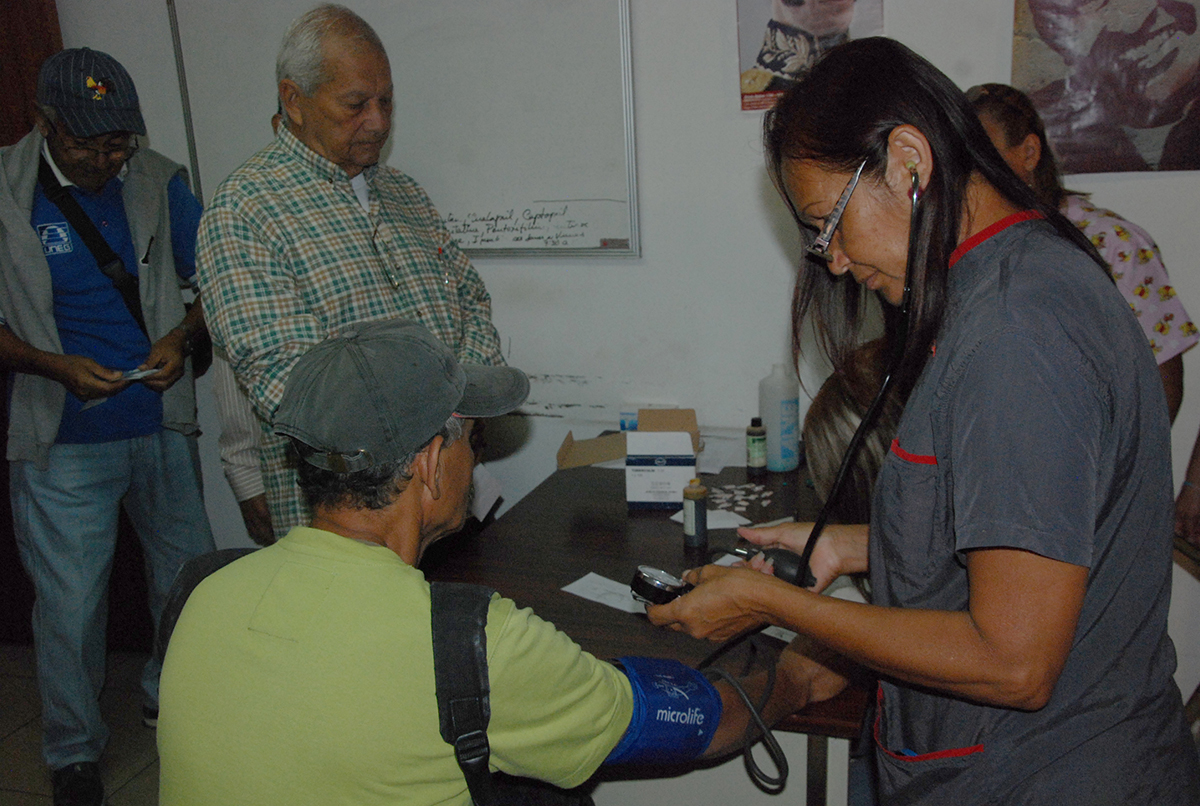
x=190, y=574
x=459, y=614
x=109, y=262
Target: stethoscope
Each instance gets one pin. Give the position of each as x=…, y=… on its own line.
x=653, y=586
x=803, y=575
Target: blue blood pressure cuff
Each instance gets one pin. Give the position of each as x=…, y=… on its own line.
x=676, y=711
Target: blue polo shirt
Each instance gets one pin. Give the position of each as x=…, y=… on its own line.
x=92, y=318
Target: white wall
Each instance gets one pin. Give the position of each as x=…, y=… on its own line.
x=702, y=315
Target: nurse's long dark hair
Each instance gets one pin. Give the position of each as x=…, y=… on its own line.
x=842, y=113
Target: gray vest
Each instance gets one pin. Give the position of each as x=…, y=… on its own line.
x=27, y=301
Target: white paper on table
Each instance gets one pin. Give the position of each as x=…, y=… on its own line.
x=720, y=452
x=779, y=632
x=605, y=591
x=776, y=522
x=718, y=519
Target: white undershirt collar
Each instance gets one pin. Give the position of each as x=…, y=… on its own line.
x=362, y=190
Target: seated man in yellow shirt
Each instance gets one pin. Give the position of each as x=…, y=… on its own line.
x=303, y=673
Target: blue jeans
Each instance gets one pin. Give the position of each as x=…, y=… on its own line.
x=65, y=521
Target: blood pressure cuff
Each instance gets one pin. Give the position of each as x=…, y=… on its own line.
x=676, y=711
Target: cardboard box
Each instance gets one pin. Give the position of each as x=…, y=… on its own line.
x=671, y=420
x=579, y=452
x=658, y=465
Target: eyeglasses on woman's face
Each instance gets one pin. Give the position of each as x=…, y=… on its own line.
x=820, y=246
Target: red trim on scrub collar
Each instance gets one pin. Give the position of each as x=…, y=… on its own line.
x=987, y=232
x=917, y=458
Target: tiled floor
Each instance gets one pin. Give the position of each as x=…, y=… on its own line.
x=129, y=765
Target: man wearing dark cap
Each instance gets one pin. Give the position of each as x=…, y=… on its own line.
x=97, y=239
x=303, y=672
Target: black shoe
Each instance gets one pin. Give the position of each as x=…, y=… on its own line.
x=150, y=716
x=78, y=785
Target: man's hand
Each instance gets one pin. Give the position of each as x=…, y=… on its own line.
x=806, y=672
x=85, y=378
x=815, y=671
x=82, y=376
x=1187, y=505
x=1187, y=514
x=257, y=517
x=166, y=356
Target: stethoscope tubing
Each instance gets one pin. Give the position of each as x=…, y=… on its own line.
x=873, y=410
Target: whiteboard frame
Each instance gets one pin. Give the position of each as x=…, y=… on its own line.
x=634, y=248
x=230, y=127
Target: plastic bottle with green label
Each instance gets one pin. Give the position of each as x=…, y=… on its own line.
x=756, y=448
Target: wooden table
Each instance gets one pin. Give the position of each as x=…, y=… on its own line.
x=577, y=522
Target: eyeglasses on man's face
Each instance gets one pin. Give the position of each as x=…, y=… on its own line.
x=86, y=148
x=820, y=246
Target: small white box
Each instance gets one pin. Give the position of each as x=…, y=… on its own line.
x=658, y=465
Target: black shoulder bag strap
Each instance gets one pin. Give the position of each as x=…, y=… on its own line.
x=459, y=614
x=110, y=264
x=190, y=574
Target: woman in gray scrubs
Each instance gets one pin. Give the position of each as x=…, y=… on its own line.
x=1019, y=546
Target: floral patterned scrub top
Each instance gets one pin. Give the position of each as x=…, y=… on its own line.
x=1141, y=277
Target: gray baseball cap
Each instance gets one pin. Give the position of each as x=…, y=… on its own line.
x=378, y=391
x=91, y=91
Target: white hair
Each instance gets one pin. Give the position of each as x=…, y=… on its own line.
x=302, y=54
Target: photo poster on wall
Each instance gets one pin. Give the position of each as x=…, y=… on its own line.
x=779, y=40
x=1116, y=83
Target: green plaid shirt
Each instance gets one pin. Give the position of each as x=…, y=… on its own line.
x=286, y=255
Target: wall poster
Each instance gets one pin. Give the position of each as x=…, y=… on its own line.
x=1116, y=82
x=779, y=40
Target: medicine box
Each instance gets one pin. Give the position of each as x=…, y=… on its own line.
x=658, y=465
x=611, y=447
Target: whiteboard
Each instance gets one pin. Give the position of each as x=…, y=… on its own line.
x=516, y=116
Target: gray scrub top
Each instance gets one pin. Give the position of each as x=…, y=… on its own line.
x=1039, y=423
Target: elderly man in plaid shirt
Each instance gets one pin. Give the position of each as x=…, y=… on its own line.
x=312, y=234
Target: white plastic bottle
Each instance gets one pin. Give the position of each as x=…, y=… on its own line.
x=779, y=407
